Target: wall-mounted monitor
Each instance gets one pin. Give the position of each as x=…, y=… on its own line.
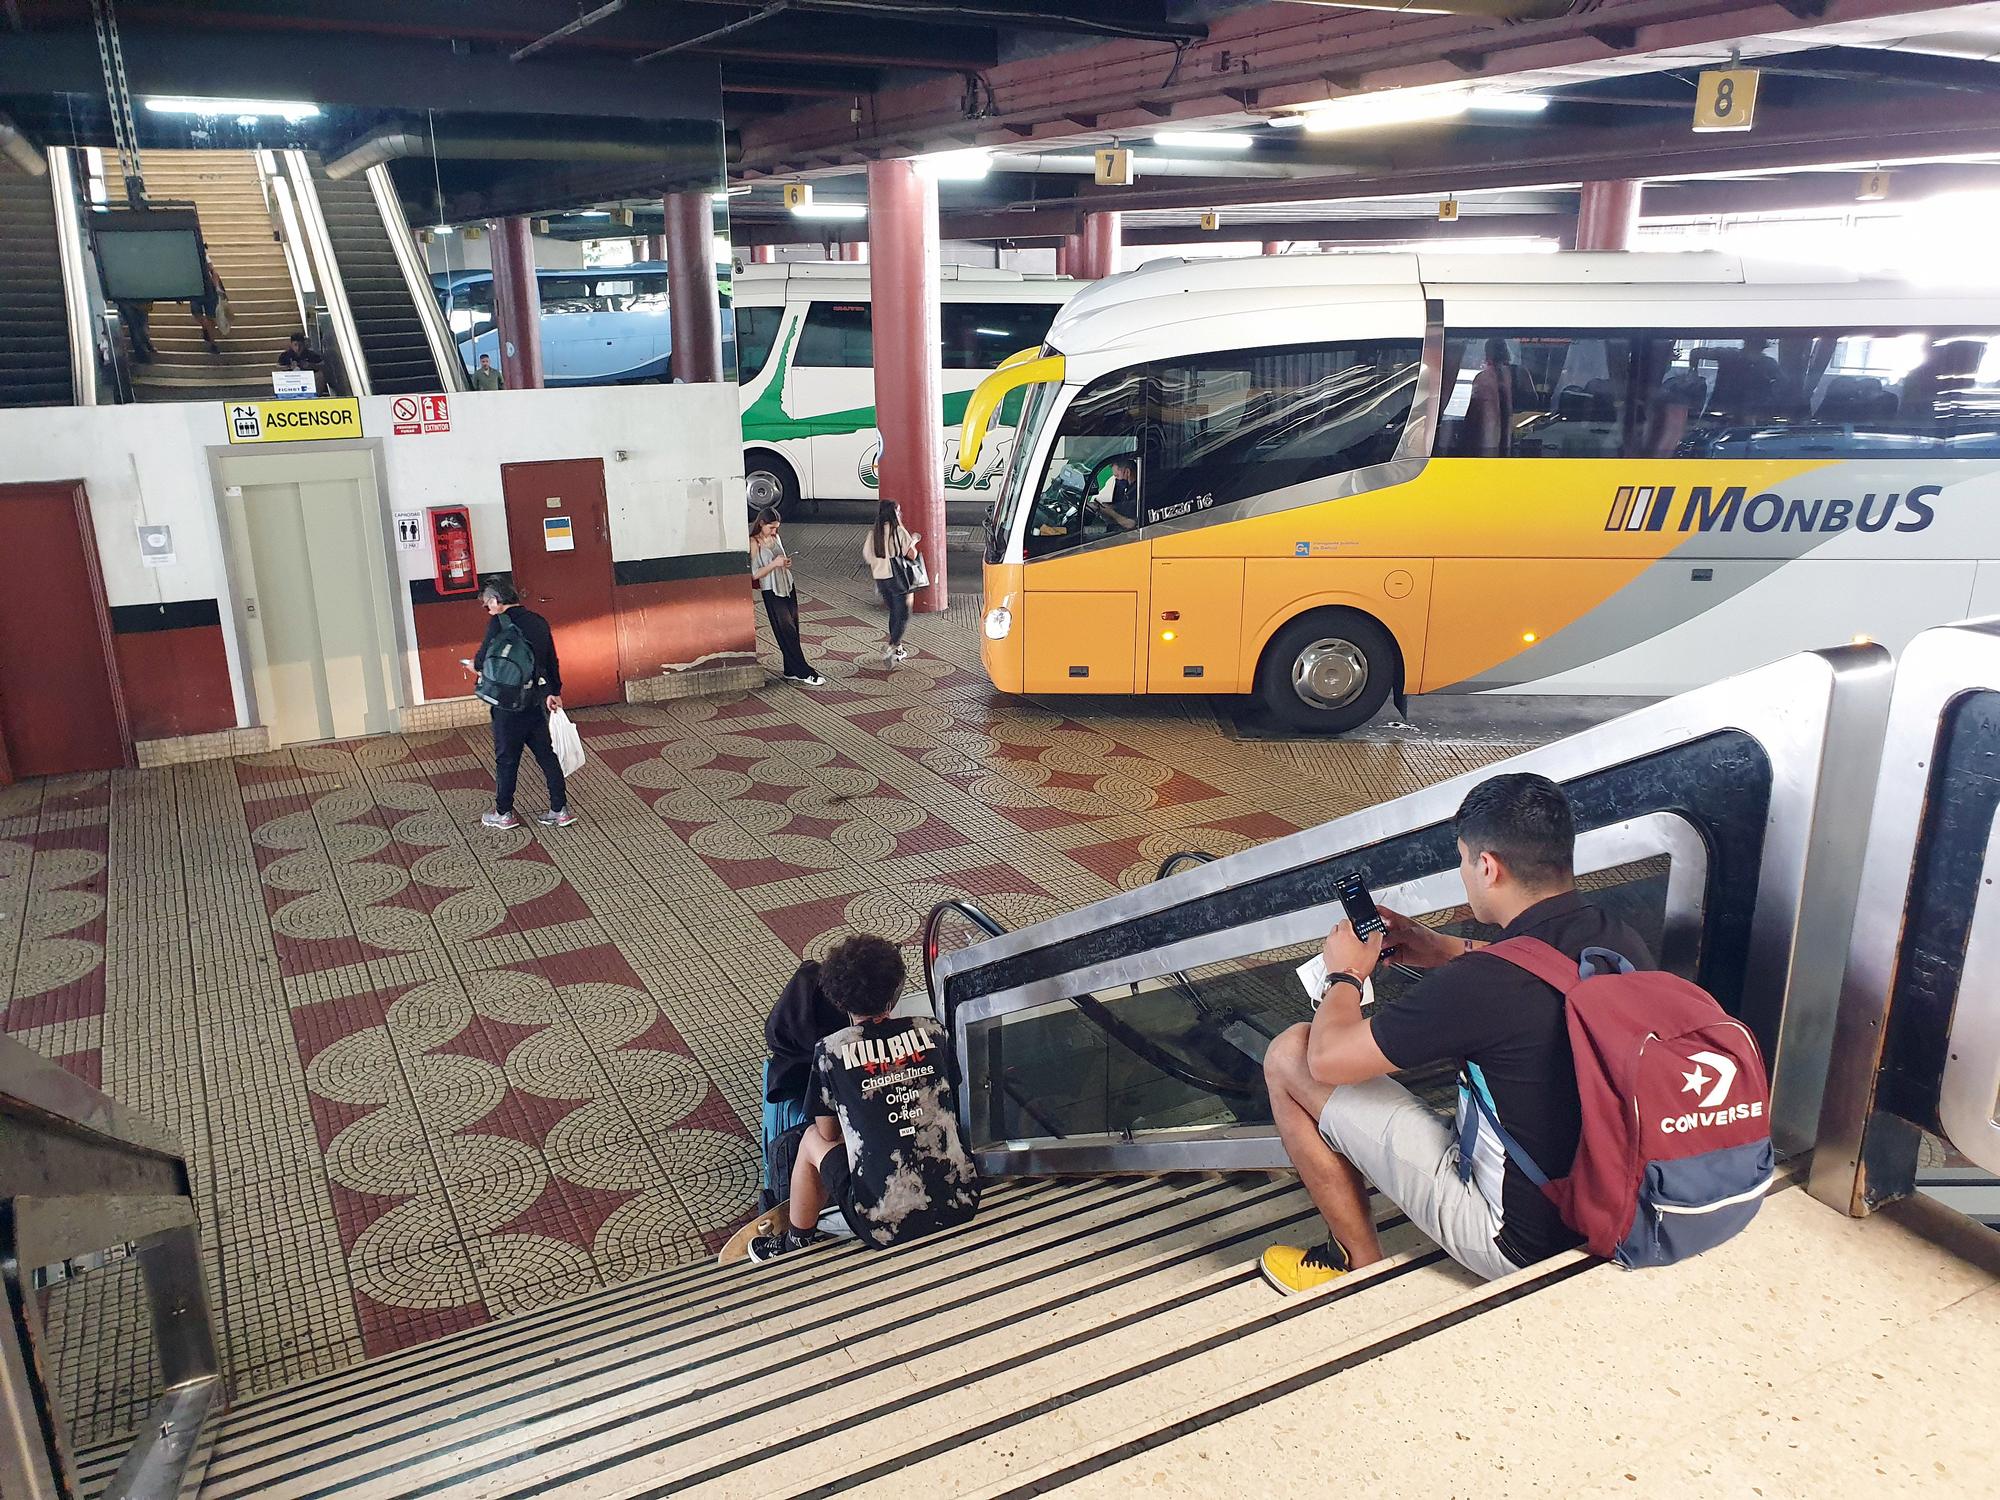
x=149, y=254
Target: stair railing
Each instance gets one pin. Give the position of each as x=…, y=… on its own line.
x=84, y=1183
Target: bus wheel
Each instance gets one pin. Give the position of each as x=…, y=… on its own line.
x=770, y=484
x=1327, y=672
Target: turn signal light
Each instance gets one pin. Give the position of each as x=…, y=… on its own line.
x=1528, y=636
x=1166, y=635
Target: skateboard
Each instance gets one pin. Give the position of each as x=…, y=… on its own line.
x=771, y=1221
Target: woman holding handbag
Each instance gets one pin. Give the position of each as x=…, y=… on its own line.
x=891, y=554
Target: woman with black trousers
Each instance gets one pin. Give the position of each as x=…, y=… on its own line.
x=888, y=541
x=771, y=571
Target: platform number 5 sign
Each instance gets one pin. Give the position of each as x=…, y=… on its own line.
x=1726, y=99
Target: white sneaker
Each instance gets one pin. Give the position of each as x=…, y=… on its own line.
x=902, y=653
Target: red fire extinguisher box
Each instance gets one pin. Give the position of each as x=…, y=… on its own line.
x=457, y=571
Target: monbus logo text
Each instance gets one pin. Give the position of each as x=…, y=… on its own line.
x=1647, y=507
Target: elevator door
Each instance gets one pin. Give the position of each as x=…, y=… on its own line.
x=58, y=707
x=312, y=570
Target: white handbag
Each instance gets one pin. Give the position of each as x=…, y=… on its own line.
x=568, y=743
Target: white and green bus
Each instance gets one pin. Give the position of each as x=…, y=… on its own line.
x=805, y=349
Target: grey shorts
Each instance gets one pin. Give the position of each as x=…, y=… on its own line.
x=1411, y=1155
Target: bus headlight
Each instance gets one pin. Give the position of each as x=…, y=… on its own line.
x=999, y=621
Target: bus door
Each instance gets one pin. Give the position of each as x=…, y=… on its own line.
x=1089, y=576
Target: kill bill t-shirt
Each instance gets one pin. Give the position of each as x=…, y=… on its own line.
x=892, y=1084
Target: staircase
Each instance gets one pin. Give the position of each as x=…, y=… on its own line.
x=34, y=327
x=236, y=222
x=399, y=356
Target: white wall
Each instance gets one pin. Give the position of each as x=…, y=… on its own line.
x=677, y=490
x=454, y=252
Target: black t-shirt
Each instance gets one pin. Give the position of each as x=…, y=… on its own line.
x=892, y=1084
x=1507, y=1031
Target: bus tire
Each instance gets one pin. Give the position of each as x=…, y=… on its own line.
x=769, y=481
x=1327, y=672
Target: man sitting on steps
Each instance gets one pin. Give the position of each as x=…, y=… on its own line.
x=1346, y=1124
x=884, y=1145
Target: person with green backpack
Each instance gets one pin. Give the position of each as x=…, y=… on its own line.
x=520, y=679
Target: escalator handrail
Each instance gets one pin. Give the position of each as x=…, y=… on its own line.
x=1174, y=861
x=978, y=917
x=1143, y=1048
x=1091, y=1007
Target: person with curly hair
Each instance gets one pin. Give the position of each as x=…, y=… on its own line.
x=884, y=1145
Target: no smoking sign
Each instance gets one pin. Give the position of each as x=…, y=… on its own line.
x=418, y=414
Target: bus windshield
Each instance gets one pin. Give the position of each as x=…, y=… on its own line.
x=1041, y=400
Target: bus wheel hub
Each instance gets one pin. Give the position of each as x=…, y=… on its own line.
x=1330, y=674
x=762, y=489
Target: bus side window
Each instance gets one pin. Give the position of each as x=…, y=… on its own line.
x=1798, y=393
x=838, y=336
x=1536, y=395
x=1252, y=421
x=756, y=332
x=978, y=335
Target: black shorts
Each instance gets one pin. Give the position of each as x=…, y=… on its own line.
x=838, y=1180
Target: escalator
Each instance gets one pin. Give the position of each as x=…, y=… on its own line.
x=34, y=321
x=397, y=350
x=1099, y=1324
x=1142, y=1020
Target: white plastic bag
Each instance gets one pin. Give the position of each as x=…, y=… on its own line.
x=568, y=743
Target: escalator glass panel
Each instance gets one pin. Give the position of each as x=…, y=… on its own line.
x=1179, y=1056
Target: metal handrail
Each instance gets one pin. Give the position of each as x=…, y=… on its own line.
x=1182, y=856
x=933, y=925
x=80, y=1175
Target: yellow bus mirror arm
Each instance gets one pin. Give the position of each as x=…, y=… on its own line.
x=1026, y=368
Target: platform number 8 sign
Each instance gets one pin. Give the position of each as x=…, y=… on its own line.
x=1726, y=99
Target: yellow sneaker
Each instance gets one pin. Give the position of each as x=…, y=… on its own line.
x=1292, y=1269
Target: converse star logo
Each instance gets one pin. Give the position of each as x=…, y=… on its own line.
x=1694, y=1081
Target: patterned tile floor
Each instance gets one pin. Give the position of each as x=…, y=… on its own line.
x=428, y=1075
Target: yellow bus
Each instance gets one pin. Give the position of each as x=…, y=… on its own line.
x=1333, y=481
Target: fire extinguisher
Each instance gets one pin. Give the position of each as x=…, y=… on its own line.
x=457, y=572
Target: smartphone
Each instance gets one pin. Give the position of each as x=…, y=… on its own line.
x=1354, y=899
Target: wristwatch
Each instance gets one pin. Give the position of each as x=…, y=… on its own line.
x=1340, y=978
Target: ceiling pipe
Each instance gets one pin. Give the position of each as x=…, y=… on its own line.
x=1072, y=164
x=589, y=18
x=1492, y=10
x=21, y=151
x=392, y=143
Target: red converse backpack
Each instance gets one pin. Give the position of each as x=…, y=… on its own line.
x=1675, y=1155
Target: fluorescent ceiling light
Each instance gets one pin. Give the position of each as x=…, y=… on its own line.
x=1409, y=107
x=831, y=211
x=970, y=165
x=250, y=109
x=591, y=213
x=1501, y=102
x=442, y=229
x=1202, y=140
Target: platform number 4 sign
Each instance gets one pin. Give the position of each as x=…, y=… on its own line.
x=1726, y=99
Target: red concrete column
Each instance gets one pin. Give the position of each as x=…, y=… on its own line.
x=1606, y=215
x=854, y=250
x=1066, y=256
x=656, y=247
x=1273, y=247
x=909, y=406
x=517, y=304
x=1099, y=242
x=763, y=255
x=694, y=310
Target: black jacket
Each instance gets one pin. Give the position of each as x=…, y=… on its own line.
x=535, y=630
x=793, y=1029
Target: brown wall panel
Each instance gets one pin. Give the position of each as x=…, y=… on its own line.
x=680, y=621
x=447, y=630
x=176, y=682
